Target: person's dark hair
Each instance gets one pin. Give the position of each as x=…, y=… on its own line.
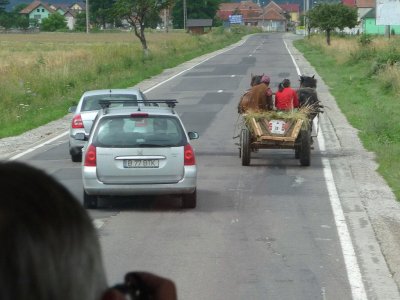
x=49, y=249
x=286, y=83
x=280, y=87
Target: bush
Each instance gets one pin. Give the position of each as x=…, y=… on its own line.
x=53, y=23
x=391, y=56
x=365, y=39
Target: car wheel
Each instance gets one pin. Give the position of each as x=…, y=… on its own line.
x=76, y=157
x=189, y=200
x=89, y=201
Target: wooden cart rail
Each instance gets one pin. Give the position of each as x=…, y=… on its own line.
x=263, y=132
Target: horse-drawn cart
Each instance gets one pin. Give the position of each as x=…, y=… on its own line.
x=269, y=129
x=275, y=131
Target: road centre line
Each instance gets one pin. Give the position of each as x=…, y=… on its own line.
x=349, y=255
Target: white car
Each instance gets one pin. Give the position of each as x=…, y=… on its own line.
x=86, y=110
x=143, y=150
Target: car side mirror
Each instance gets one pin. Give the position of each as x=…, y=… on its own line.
x=80, y=136
x=193, y=135
x=72, y=109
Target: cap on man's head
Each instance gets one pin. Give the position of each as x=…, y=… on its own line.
x=265, y=79
x=286, y=82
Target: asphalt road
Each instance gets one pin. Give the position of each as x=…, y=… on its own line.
x=272, y=230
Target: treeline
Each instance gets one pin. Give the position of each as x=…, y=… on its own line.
x=114, y=14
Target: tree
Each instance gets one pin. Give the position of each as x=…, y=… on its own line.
x=101, y=11
x=80, y=24
x=328, y=17
x=6, y=20
x=139, y=14
x=54, y=22
x=3, y=4
x=205, y=9
x=22, y=22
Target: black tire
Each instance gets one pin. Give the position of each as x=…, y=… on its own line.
x=297, y=152
x=76, y=157
x=189, y=200
x=89, y=201
x=305, y=148
x=245, y=147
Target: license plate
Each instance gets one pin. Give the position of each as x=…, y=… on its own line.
x=141, y=163
x=277, y=126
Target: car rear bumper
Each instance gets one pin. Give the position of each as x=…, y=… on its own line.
x=93, y=186
x=75, y=146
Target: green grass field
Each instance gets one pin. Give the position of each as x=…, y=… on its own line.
x=365, y=85
x=41, y=75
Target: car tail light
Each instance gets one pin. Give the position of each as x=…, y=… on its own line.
x=77, y=122
x=90, y=156
x=190, y=159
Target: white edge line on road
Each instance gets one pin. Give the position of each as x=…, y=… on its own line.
x=38, y=146
x=148, y=90
x=349, y=255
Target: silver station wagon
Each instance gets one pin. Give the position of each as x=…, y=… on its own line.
x=86, y=111
x=143, y=150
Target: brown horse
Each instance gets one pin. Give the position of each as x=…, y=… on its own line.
x=255, y=98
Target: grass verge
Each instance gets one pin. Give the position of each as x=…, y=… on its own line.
x=364, y=79
x=41, y=75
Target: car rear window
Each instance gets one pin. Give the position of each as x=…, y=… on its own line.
x=152, y=131
x=92, y=102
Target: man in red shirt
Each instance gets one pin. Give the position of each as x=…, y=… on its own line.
x=286, y=99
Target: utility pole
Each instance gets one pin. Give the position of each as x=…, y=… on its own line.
x=304, y=16
x=184, y=14
x=87, y=16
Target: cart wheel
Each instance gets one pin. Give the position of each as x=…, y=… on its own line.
x=305, y=148
x=240, y=146
x=297, y=152
x=245, y=147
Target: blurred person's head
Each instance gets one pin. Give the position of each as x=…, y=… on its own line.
x=265, y=79
x=49, y=249
x=286, y=83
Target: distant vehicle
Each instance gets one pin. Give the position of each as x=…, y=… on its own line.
x=142, y=150
x=86, y=111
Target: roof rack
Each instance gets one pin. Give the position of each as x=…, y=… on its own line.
x=170, y=102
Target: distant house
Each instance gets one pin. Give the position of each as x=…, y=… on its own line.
x=363, y=7
x=198, y=26
x=78, y=7
x=38, y=11
x=293, y=10
x=273, y=19
x=60, y=8
x=70, y=17
x=249, y=10
x=270, y=18
x=368, y=25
